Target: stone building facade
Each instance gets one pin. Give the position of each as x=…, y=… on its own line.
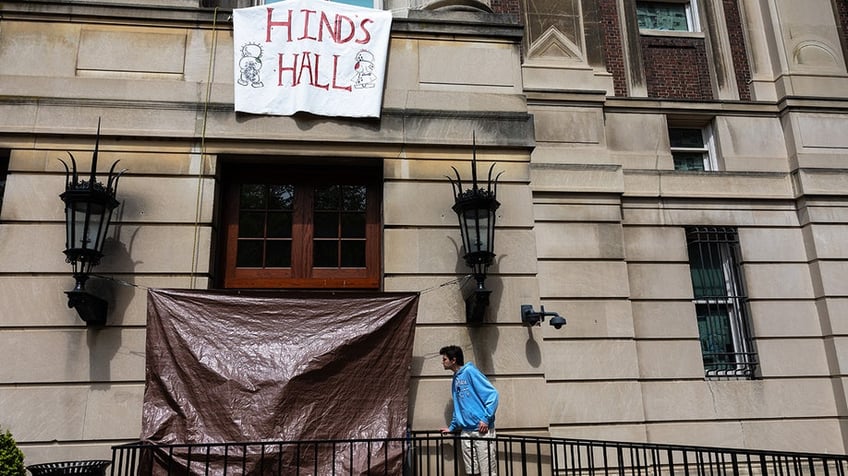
x=674, y=185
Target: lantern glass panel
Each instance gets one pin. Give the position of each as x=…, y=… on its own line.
x=81, y=232
x=102, y=223
x=477, y=223
x=82, y=235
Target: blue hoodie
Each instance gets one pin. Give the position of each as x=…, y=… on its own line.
x=475, y=399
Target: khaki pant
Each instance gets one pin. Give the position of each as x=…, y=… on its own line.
x=479, y=452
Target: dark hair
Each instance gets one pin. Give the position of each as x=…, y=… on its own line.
x=453, y=352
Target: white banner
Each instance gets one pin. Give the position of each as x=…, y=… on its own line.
x=310, y=55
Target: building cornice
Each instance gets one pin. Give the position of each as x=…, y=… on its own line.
x=455, y=23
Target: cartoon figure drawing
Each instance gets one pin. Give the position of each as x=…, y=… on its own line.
x=364, y=76
x=250, y=64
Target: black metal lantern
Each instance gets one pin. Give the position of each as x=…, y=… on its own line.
x=475, y=208
x=88, y=213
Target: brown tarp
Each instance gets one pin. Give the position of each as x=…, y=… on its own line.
x=236, y=366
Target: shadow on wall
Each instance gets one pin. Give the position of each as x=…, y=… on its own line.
x=104, y=343
x=484, y=343
x=532, y=350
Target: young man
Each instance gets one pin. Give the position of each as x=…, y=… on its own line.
x=475, y=401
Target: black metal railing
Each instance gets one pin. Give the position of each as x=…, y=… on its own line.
x=432, y=454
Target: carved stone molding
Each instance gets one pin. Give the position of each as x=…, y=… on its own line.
x=553, y=44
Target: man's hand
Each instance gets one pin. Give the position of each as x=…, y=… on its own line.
x=482, y=428
x=445, y=430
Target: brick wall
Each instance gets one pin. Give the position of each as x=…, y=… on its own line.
x=840, y=8
x=676, y=68
x=737, y=48
x=507, y=7
x=613, y=51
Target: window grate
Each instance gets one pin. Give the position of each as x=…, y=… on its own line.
x=720, y=302
x=4, y=171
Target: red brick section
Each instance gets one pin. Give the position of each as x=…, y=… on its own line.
x=507, y=7
x=737, y=48
x=613, y=51
x=841, y=10
x=676, y=68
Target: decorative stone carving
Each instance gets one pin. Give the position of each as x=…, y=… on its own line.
x=815, y=54
x=554, y=44
x=465, y=5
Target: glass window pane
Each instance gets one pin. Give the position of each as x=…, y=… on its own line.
x=249, y=254
x=280, y=225
x=353, y=198
x=252, y=196
x=326, y=225
x=708, y=278
x=278, y=254
x=716, y=334
x=281, y=197
x=688, y=161
x=692, y=138
x=353, y=254
x=327, y=198
x=251, y=224
x=357, y=3
x=662, y=16
x=4, y=170
x=325, y=254
x=353, y=225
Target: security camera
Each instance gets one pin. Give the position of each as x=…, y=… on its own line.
x=557, y=321
x=532, y=318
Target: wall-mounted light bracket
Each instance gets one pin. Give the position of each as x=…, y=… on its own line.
x=530, y=318
x=475, y=306
x=91, y=309
x=475, y=209
x=88, y=213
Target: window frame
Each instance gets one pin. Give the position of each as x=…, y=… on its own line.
x=708, y=148
x=722, y=247
x=376, y=4
x=301, y=274
x=5, y=158
x=693, y=23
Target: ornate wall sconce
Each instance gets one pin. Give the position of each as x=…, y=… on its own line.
x=88, y=213
x=475, y=208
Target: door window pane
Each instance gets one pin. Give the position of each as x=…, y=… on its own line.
x=353, y=254
x=249, y=254
x=326, y=224
x=326, y=254
x=252, y=196
x=340, y=212
x=353, y=225
x=278, y=254
x=266, y=212
x=251, y=225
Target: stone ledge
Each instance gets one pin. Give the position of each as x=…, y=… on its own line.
x=461, y=23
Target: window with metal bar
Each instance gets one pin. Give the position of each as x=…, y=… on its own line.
x=720, y=302
x=4, y=170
